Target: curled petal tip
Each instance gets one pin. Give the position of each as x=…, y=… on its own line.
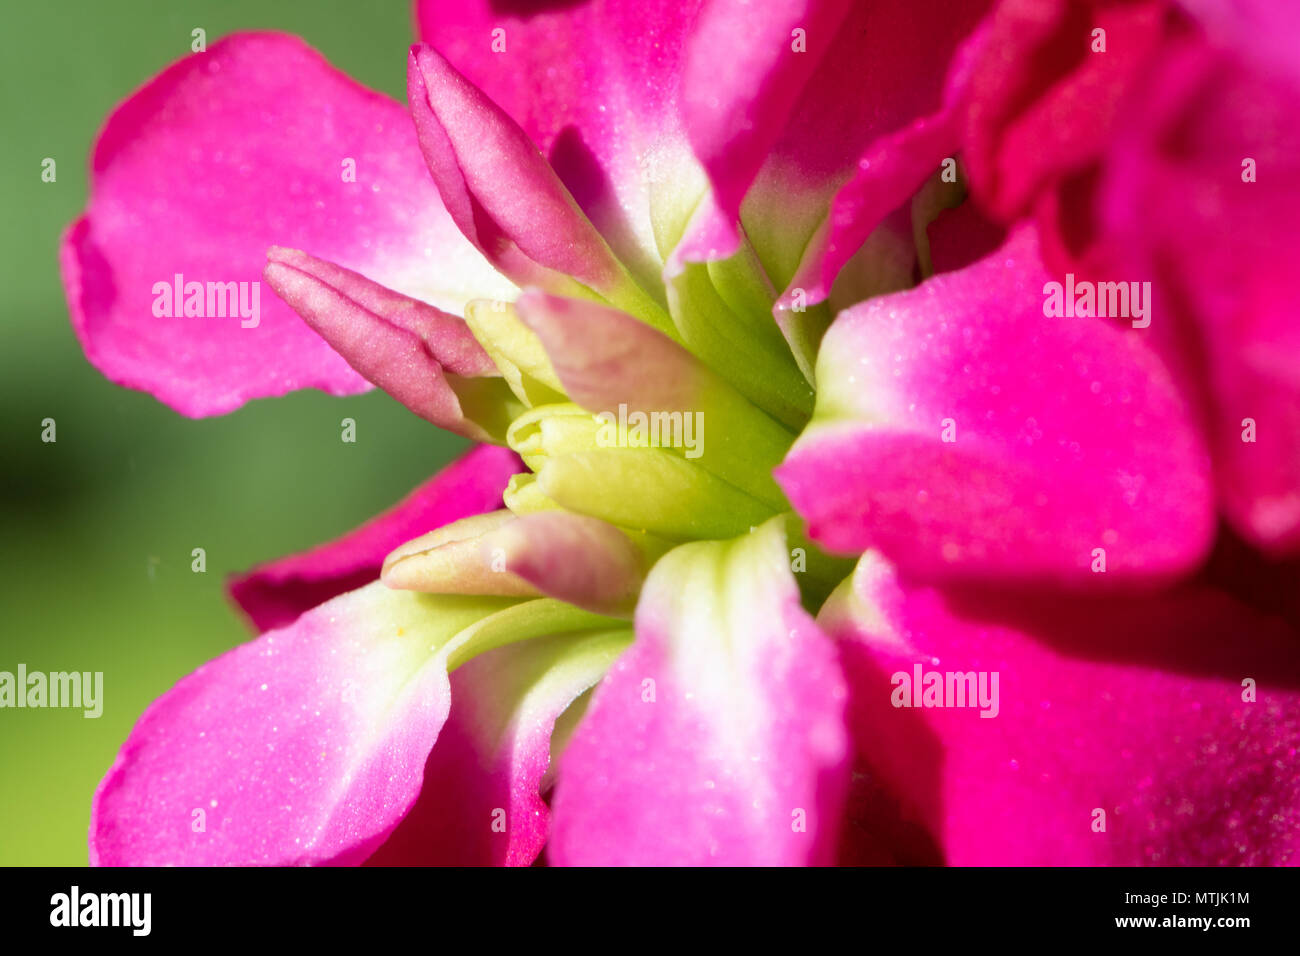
x=499, y=189
x=710, y=235
x=454, y=560
x=398, y=343
x=581, y=560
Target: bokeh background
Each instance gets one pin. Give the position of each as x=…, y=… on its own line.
x=96, y=530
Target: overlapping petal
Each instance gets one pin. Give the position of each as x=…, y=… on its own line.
x=305, y=746
x=1151, y=163
x=964, y=432
x=255, y=142
x=481, y=803
x=1040, y=103
x=885, y=70
x=745, y=69
x=595, y=84
x=1215, y=154
x=718, y=737
x=890, y=172
x=502, y=193
x=1158, y=730
x=418, y=354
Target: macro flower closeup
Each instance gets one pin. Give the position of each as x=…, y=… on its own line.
x=885, y=422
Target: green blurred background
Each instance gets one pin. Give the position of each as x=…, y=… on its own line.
x=96, y=530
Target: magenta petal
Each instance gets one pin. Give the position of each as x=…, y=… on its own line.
x=1121, y=734
x=964, y=433
x=221, y=156
x=885, y=70
x=274, y=594
x=961, y=236
x=710, y=234
x=603, y=356
x=305, y=746
x=718, y=737
x=512, y=53
x=1264, y=31
x=481, y=804
x=1032, y=67
x=743, y=75
x=1217, y=235
x=577, y=559
x=891, y=170
x=398, y=343
x=502, y=193
x=608, y=123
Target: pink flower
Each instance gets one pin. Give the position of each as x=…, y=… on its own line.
x=707, y=271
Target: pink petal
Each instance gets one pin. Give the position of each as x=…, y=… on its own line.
x=221, y=156
x=398, y=343
x=962, y=236
x=481, y=802
x=1130, y=707
x=502, y=193
x=608, y=123
x=274, y=594
x=305, y=746
x=891, y=170
x=1261, y=30
x=717, y=738
x=743, y=76
x=1067, y=436
x=1039, y=103
x=579, y=560
x=1220, y=252
x=456, y=559
x=884, y=71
